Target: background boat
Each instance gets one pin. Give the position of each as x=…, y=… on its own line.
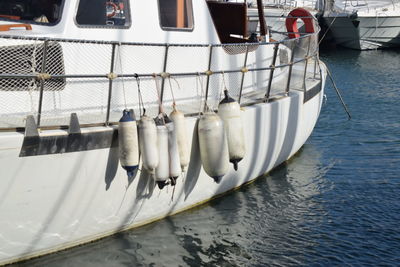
x=364, y=24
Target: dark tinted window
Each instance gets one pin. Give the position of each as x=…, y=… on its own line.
x=113, y=13
x=31, y=11
x=176, y=14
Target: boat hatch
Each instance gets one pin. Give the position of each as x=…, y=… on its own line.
x=230, y=20
x=46, y=12
x=113, y=13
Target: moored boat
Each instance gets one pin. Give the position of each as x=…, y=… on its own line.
x=70, y=69
x=364, y=25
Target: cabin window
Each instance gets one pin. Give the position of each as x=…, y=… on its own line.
x=45, y=12
x=102, y=13
x=176, y=14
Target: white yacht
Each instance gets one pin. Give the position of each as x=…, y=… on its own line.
x=364, y=24
x=78, y=165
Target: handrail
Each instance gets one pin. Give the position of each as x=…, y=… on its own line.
x=145, y=75
x=41, y=77
x=29, y=38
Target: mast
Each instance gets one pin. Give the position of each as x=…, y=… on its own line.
x=261, y=17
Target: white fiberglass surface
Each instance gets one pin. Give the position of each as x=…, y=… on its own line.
x=368, y=5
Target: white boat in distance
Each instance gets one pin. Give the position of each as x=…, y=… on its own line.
x=364, y=24
x=68, y=71
x=276, y=11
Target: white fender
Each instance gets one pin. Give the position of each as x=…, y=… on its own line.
x=128, y=142
x=213, y=145
x=148, y=143
x=183, y=146
x=162, y=170
x=174, y=162
x=229, y=111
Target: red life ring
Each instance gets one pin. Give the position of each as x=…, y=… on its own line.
x=291, y=22
x=114, y=9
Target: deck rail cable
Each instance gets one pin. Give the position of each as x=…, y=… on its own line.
x=92, y=79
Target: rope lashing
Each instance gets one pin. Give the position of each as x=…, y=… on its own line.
x=43, y=76
x=165, y=75
x=112, y=75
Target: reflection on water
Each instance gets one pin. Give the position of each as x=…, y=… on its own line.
x=257, y=224
x=336, y=202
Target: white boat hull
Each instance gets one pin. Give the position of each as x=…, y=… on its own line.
x=52, y=202
x=365, y=33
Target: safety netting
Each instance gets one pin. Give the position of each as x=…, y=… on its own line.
x=52, y=78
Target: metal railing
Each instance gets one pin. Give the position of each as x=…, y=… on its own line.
x=298, y=54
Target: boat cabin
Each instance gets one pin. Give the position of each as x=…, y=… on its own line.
x=159, y=21
x=61, y=57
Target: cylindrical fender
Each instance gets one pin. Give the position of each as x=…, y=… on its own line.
x=213, y=145
x=148, y=143
x=229, y=111
x=128, y=143
x=174, y=162
x=162, y=170
x=180, y=127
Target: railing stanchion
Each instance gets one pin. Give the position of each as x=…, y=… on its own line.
x=306, y=64
x=271, y=72
x=110, y=85
x=243, y=73
x=290, y=69
x=208, y=76
x=164, y=70
x=315, y=65
x=42, y=81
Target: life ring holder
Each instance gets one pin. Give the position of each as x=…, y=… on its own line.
x=291, y=22
x=114, y=7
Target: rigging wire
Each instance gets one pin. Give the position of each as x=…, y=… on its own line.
x=172, y=92
x=200, y=81
x=160, y=104
x=122, y=77
x=140, y=97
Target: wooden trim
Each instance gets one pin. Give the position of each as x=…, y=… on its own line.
x=180, y=13
x=10, y=17
x=8, y=27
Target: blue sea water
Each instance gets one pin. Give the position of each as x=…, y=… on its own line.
x=337, y=202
